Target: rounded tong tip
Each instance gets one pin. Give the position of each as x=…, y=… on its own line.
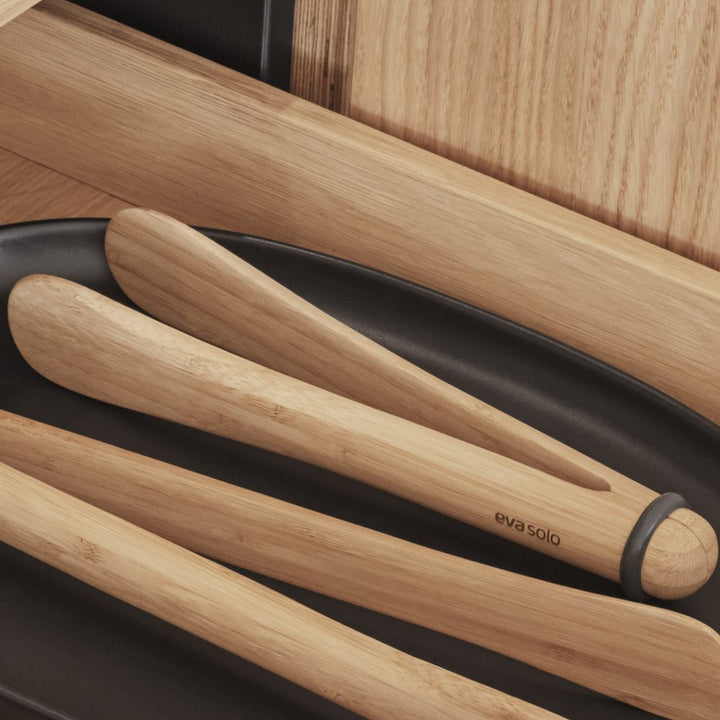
x=681, y=556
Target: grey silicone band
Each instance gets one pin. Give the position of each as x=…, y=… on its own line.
x=638, y=540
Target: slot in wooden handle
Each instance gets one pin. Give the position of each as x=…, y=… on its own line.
x=236, y=613
x=658, y=660
x=98, y=347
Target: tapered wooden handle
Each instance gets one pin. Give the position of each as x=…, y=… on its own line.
x=98, y=347
x=236, y=613
x=190, y=282
x=626, y=650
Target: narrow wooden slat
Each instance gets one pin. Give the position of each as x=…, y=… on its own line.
x=157, y=126
x=323, y=42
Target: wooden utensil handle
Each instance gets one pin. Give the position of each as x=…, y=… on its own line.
x=625, y=650
x=98, y=347
x=192, y=283
x=236, y=613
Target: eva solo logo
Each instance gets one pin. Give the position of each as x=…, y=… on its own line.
x=542, y=534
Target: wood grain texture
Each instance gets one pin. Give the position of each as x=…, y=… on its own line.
x=92, y=345
x=323, y=46
x=30, y=191
x=236, y=613
x=10, y=9
x=214, y=148
x=192, y=283
x=609, y=108
x=661, y=661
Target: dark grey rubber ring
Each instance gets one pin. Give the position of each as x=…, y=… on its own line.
x=639, y=539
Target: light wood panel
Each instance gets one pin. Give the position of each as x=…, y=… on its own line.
x=187, y=137
x=609, y=107
x=322, y=52
x=30, y=191
x=10, y=9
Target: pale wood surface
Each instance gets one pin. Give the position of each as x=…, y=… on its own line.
x=610, y=107
x=236, y=613
x=10, y=9
x=323, y=48
x=95, y=346
x=214, y=148
x=192, y=283
x=658, y=660
x=30, y=191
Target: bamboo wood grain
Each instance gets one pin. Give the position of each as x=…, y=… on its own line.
x=655, y=659
x=236, y=613
x=608, y=108
x=215, y=148
x=10, y=9
x=192, y=283
x=93, y=345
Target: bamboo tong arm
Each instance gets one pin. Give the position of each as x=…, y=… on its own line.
x=194, y=284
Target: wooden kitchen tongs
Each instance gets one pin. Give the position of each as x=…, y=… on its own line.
x=582, y=513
